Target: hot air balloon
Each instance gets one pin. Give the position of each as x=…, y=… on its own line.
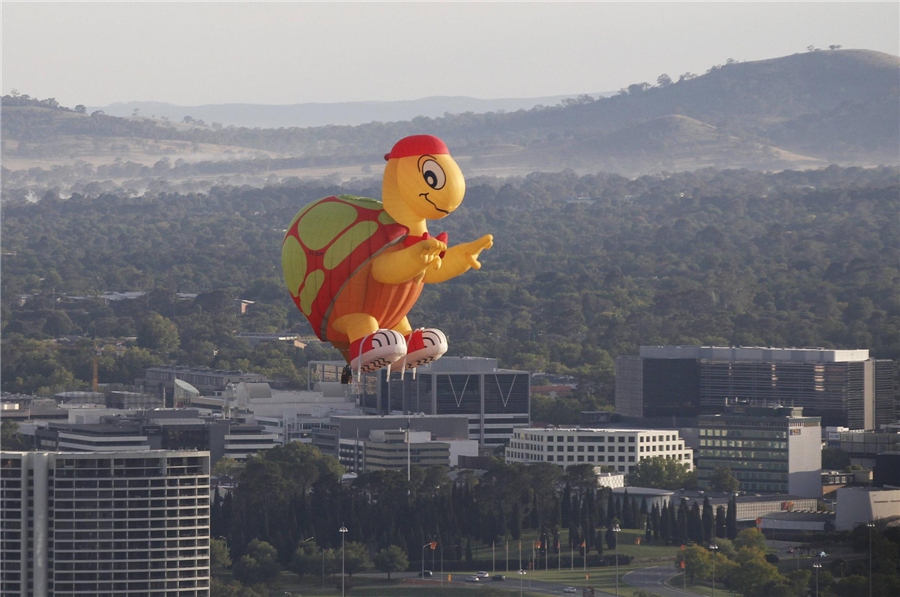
x=356, y=266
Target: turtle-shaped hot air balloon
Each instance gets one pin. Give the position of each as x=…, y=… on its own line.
x=355, y=266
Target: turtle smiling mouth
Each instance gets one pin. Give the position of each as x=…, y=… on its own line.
x=432, y=203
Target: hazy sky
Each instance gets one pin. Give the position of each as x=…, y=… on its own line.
x=277, y=53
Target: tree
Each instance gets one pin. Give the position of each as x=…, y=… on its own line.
x=259, y=565
x=356, y=557
x=720, y=522
x=731, y=519
x=219, y=555
x=835, y=459
x=392, y=559
x=697, y=562
x=750, y=538
x=835, y=47
x=663, y=80
x=658, y=472
x=307, y=559
x=228, y=467
x=723, y=481
x=80, y=108
x=10, y=439
x=469, y=558
x=158, y=333
x=709, y=524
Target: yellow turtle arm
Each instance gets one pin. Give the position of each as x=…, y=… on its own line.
x=459, y=259
x=401, y=266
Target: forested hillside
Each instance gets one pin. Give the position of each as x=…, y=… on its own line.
x=800, y=111
x=584, y=268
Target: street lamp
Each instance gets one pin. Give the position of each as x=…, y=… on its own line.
x=871, y=525
x=521, y=574
x=343, y=531
x=423, y=559
x=817, y=566
x=713, y=547
x=616, y=529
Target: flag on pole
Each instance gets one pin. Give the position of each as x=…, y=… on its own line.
x=537, y=544
x=434, y=545
x=682, y=564
x=583, y=543
x=637, y=541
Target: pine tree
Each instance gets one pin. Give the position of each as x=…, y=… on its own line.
x=709, y=523
x=720, y=522
x=644, y=513
x=611, y=538
x=636, y=520
x=731, y=519
x=468, y=551
x=565, y=506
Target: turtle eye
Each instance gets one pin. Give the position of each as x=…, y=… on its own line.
x=433, y=174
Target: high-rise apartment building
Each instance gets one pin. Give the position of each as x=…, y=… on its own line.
x=843, y=387
x=619, y=449
x=104, y=523
x=771, y=449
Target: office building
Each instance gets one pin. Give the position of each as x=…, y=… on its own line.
x=843, y=387
x=160, y=381
x=496, y=401
x=64, y=437
x=104, y=524
x=864, y=447
x=886, y=472
x=767, y=448
x=859, y=505
x=345, y=435
x=619, y=449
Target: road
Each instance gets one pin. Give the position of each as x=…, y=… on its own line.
x=653, y=580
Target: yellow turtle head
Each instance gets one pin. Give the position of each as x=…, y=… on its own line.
x=421, y=180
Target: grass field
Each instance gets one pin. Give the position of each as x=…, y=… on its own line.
x=702, y=589
x=627, y=547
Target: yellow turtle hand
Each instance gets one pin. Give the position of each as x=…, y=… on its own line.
x=430, y=252
x=473, y=249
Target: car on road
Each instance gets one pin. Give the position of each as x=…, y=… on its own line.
x=822, y=554
x=498, y=577
x=471, y=579
x=570, y=590
x=426, y=574
x=482, y=574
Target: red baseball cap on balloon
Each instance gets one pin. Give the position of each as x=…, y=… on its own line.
x=417, y=145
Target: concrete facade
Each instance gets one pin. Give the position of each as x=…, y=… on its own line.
x=621, y=449
x=765, y=448
x=859, y=505
x=844, y=387
x=104, y=524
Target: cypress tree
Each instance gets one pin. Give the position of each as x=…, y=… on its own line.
x=655, y=521
x=644, y=512
x=695, y=524
x=627, y=519
x=709, y=523
x=731, y=519
x=610, y=538
x=610, y=510
x=636, y=521
x=720, y=522
x=468, y=551
x=665, y=530
x=565, y=505
x=515, y=525
x=683, y=534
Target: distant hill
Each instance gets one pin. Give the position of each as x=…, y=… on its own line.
x=319, y=114
x=804, y=110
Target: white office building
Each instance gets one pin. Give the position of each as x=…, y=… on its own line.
x=619, y=449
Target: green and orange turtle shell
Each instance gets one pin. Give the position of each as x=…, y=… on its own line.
x=327, y=242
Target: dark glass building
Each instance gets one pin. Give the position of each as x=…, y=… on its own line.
x=843, y=387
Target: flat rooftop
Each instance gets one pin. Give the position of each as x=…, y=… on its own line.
x=598, y=429
x=765, y=354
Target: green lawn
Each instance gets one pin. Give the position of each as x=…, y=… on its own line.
x=702, y=589
x=627, y=547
